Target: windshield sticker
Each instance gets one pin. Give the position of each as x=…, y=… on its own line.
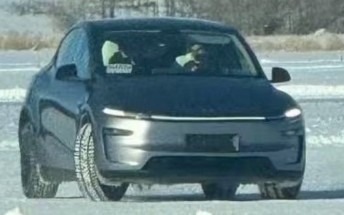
x=119, y=69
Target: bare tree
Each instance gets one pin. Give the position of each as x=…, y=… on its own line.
x=250, y=16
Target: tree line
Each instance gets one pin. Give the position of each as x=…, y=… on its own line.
x=253, y=17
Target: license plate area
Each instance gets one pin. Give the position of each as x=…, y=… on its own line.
x=213, y=143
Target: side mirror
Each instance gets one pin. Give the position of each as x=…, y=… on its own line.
x=280, y=75
x=67, y=73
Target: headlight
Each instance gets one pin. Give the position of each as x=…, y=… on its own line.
x=292, y=113
x=114, y=112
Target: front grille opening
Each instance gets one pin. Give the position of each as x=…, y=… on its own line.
x=210, y=165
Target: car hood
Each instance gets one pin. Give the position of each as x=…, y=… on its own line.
x=193, y=96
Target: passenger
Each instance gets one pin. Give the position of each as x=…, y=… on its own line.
x=120, y=57
x=113, y=54
x=108, y=50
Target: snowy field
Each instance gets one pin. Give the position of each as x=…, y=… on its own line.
x=318, y=84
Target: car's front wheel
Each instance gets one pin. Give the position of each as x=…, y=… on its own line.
x=86, y=170
x=219, y=191
x=34, y=185
x=277, y=191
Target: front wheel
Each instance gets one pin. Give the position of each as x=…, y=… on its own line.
x=220, y=191
x=34, y=185
x=277, y=191
x=86, y=170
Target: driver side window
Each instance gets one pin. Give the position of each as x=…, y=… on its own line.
x=74, y=50
x=66, y=53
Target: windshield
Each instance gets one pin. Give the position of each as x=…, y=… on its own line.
x=182, y=53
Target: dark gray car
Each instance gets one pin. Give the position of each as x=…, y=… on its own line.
x=159, y=101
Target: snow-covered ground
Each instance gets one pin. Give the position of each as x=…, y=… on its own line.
x=318, y=84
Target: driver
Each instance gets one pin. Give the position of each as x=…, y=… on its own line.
x=194, y=60
x=120, y=57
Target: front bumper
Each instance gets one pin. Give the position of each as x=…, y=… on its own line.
x=156, y=151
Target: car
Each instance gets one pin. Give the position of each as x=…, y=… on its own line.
x=159, y=101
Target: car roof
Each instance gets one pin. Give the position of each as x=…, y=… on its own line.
x=156, y=24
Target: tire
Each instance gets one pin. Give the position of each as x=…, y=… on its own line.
x=33, y=184
x=86, y=170
x=217, y=191
x=275, y=191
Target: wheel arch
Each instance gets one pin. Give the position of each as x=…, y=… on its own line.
x=34, y=183
x=26, y=116
x=85, y=116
